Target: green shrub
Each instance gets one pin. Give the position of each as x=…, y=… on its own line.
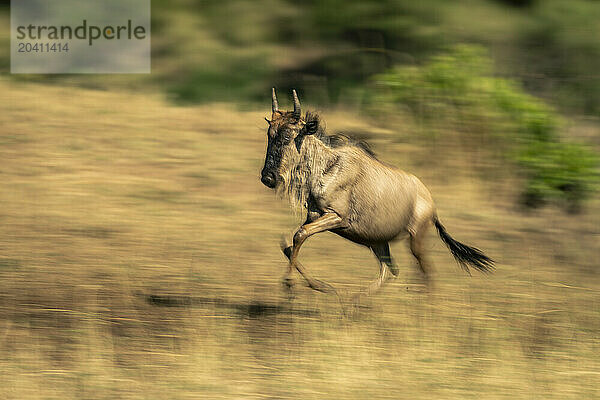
x=457, y=90
x=563, y=171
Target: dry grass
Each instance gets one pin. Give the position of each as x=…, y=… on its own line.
x=139, y=259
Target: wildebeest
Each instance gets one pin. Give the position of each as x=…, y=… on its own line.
x=345, y=189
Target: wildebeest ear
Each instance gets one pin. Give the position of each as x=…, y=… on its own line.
x=311, y=127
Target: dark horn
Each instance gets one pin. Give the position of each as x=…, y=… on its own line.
x=297, y=111
x=274, y=104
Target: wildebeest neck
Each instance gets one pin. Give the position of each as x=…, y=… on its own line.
x=302, y=170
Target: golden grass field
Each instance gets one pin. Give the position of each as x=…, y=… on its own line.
x=139, y=259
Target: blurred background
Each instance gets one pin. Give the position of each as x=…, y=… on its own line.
x=139, y=252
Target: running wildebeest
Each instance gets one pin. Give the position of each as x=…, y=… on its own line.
x=345, y=189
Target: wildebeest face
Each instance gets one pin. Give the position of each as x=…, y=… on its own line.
x=284, y=140
x=282, y=135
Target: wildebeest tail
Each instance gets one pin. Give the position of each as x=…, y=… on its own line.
x=463, y=254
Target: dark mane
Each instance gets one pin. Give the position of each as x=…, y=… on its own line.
x=337, y=140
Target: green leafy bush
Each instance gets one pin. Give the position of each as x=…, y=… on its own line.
x=457, y=90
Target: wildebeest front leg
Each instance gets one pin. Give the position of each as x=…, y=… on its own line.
x=288, y=280
x=325, y=222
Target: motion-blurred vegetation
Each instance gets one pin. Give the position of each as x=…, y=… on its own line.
x=457, y=91
x=550, y=46
x=331, y=50
x=233, y=49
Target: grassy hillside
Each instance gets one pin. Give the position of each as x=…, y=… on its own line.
x=139, y=259
x=234, y=50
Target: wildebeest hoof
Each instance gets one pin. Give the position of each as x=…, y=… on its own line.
x=286, y=247
x=288, y=283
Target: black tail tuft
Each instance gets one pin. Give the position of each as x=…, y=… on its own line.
x=463, y=254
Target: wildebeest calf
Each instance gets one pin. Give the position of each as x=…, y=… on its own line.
x=347, y=190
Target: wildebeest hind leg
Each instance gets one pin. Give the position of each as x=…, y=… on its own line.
x=417, y=248
x=386, y=265
x=382, y=252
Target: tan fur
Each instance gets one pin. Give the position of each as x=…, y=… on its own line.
x=376, y=201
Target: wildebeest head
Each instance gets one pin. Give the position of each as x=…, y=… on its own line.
x=285, y=133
